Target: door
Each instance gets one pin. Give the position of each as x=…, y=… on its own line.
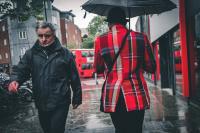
x=197, y=57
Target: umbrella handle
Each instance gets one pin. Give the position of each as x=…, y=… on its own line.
x=129, y=18
x=85, y=15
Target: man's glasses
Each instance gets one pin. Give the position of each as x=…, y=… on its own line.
x=44, y=35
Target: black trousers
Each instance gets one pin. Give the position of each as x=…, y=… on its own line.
x=54, y=121
x=127, y=122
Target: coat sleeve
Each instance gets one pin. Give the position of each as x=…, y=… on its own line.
x=98, y=60
x=75, y=82
x=22, y=71
x=149, y=60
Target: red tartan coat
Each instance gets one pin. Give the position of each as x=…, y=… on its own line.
x=127, y=73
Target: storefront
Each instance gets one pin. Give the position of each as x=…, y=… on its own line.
x=163, y=30
x=177, y=60
x=176, y=38
x=190, y=45
x=197, y=58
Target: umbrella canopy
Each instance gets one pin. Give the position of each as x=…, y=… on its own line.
x=131, y=7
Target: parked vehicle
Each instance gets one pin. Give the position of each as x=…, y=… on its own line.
x=8, y=100
x=177, y=56
x=25, y=92
x=84, y=59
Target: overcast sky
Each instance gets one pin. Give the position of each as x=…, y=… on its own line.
x=75, y=5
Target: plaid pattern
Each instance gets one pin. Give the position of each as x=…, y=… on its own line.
x=127, y=73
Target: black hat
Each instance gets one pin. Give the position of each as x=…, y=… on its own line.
x=116, y=15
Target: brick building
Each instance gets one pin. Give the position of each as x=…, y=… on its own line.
x=17, y=36
x=5, y=58
x=71, y=34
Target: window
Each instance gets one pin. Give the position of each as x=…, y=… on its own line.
x=5, y=42
x=84, y=54
x=3, y=28
x=66, y=26
x=12, y=52
x=22, y=51
x=20, y=20
x=22, y=35
x=66, y=35
x=87, y=53
x=177, y=60
x=6, y=55
x=197, y=27
x=70, y=18
x=91, y=53
x=54, y=20
x=86, y=66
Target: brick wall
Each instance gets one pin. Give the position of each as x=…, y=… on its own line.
x=63, y=32
x=73, y=34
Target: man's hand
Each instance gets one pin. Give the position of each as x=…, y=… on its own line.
x=75, y=106
x=13, y=86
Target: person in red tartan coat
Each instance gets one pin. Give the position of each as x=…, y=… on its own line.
x=125, y=94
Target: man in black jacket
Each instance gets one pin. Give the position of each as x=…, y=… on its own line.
x=53, y=73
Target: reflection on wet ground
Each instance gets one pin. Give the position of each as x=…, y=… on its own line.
x=168, y=114
x=88, y=118
x=171, y=114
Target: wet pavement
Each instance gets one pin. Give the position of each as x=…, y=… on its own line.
x=168, y=114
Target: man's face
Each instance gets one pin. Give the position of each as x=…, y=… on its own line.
x=46, y=36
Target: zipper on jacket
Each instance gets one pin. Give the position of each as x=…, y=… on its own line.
x=45, y=53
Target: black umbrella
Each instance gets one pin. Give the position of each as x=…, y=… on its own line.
x=131, y=7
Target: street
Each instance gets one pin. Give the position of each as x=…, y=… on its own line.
x=87, y=118
x=168, y=114
x=157, y=38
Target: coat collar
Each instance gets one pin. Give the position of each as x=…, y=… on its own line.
x=56, y=43
x=118, y=26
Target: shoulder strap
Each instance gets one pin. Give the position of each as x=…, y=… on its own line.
x=120, y=49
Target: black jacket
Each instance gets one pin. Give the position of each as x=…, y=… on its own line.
x=53, y=73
